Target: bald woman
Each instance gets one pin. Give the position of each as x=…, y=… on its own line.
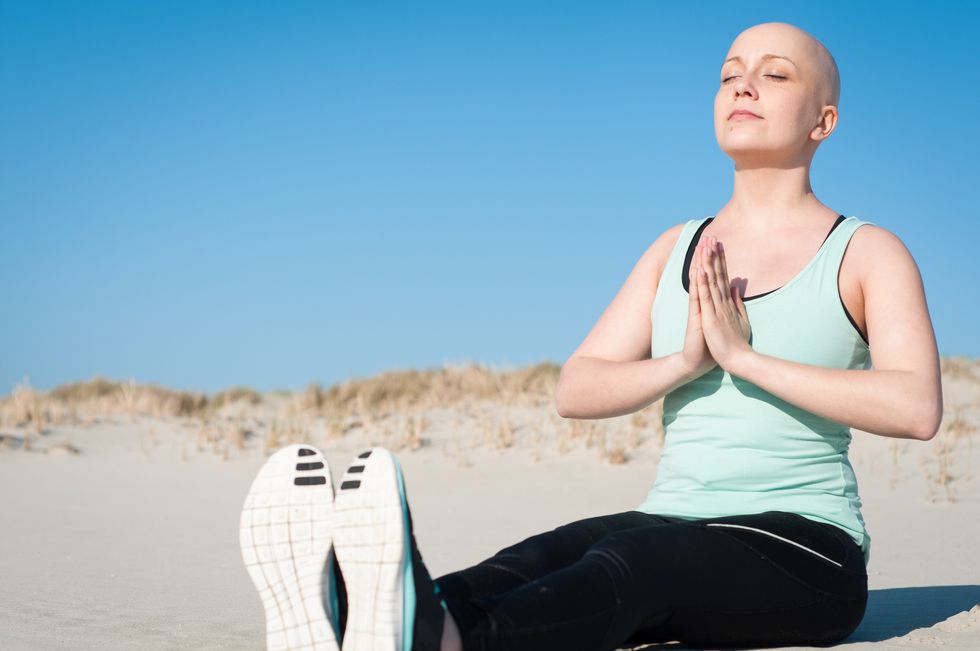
x=756, y=325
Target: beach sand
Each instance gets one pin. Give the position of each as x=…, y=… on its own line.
x=127, y=537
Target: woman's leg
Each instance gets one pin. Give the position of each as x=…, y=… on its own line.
x=538, y=555
x=770, y=578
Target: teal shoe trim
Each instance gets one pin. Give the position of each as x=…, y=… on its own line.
x=334, y=599
x=408, y=579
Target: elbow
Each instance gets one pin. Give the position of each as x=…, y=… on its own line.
x=932, y=423
x=557, y=403
x=560, y=410
x=558, y=399
x=560, y=396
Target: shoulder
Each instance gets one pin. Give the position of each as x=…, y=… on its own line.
x=880, y=253
x=656, y=254
x=877, y=238
x=891, y=282
x=668, y=238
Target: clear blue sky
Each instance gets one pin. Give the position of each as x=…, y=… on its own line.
x=207, y=194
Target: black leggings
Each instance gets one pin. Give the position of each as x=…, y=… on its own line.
x=633, y=578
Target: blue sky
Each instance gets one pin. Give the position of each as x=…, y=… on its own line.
x=208, y=194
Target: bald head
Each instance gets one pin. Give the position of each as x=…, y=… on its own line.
x=804, y=49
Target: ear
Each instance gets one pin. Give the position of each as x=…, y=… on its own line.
x=825, y=126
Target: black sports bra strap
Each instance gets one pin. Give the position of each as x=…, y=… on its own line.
x=685, y=270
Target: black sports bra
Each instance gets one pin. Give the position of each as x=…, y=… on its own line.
x=694, y=242
x=690, y=256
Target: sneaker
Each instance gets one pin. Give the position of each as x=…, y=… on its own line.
x=286, y=545
x=393, y=603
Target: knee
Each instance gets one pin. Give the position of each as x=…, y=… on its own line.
x=624, y=544
x=622, y=553
x=528, y=557
x=645, y=558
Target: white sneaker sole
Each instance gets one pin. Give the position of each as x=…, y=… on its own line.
x=370, y=543
x=285, y=537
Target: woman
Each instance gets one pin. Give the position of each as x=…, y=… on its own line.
x=756, y=325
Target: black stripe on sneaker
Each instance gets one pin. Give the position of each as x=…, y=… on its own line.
x=356, y=469
x=364, y=455
x=308, y=481
x=309, y=466
x=350, y=484
x=305, y=452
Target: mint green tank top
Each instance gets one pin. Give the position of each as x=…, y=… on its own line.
x=732, y=448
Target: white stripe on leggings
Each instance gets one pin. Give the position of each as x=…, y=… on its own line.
x=768, y=533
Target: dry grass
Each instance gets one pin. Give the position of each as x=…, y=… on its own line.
x=355, y=403
x=965, y=368
x=372, y=398
x=939, y=467
x=499, y=433
x=414, y=390
x=25, y=408
x=233, y=395
x=502, y=410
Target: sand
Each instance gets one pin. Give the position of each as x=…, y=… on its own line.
x=132, y=542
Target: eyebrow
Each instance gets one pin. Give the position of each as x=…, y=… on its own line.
x=765, y=57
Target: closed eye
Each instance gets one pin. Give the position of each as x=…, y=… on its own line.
x=733, y=76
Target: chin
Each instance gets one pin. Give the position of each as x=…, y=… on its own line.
x=743, y=143
x=746, y=146
x=751, y=153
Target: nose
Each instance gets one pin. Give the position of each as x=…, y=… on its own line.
x=742, y=88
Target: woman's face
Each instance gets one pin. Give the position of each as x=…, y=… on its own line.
x=780, y=89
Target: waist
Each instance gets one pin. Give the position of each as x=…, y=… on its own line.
x=693, y=464
x=696, y=479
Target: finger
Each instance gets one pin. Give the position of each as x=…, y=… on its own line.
x=693, y=284
x=736, y=299
x=741, y=306
x=707, y=307
x=712, y=280
x=692, y=270
x=733, y=292
x=716, y=272
x=699, y=260
x=705, y=259
x=722, y=270
x=721, y=280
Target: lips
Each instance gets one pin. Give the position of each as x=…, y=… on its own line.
x=738, y=112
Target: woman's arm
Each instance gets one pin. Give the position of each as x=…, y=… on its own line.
x=902, y=395
x=611, y=373
x=591, y=387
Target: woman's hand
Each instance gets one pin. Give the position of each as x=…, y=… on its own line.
x=696, y=355
x=724, y=319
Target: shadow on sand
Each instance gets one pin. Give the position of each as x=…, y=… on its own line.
x=891, y=613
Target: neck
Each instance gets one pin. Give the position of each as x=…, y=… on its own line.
x=767, y=199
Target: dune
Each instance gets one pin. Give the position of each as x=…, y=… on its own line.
x=121, y=501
